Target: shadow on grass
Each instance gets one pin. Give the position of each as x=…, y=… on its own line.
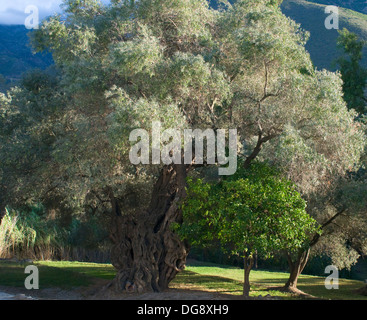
x=102, y=272
x=264, y=283
x=197, y=263
x=314, y=287
x=12, y=275
x=213, y=283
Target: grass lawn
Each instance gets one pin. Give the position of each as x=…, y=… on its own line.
x=61, y=274
x=197, y=276
x=224, y=279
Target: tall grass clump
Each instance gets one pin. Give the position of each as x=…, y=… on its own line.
x=32, y=233
x=27, y=234
x=9, y=234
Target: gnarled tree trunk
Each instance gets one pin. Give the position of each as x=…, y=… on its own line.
x=146, y=252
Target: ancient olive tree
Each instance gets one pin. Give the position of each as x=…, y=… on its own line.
x=65, y=139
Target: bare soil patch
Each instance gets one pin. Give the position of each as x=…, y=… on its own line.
x=100, y=290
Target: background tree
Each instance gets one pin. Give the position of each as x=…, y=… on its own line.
x=318, y=180
x=344, y=238
x=353, y=74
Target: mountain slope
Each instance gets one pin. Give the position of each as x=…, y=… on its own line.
x=356, y=5
x=322, y=43
x=16, y=56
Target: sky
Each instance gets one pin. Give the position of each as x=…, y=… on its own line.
x=13, y=11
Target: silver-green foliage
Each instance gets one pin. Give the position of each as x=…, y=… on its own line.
x=186, y=65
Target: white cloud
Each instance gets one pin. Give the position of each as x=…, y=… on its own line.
x=13, y=12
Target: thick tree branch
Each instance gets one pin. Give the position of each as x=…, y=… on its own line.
x=317, y=237
x=260, y=141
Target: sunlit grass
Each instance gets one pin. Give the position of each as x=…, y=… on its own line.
x=229, y=280
x=199, y=276
x=91, y=270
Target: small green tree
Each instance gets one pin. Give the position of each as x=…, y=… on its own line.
x=353, y=74
x=254, y=212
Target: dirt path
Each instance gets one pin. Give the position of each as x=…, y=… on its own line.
x=8, y=293
x=100, y=291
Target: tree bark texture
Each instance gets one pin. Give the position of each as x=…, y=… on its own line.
x=296, y=267
x=248, y=264
x=146, y=252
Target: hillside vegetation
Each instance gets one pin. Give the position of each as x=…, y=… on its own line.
x=356, y=5
x=16, y=55
x=322, y=43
